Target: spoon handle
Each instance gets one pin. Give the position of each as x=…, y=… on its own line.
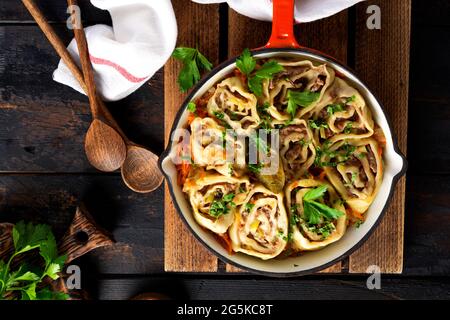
x=55, y=41
x=86, y=65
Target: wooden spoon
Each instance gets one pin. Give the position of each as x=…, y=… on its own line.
x=140, y=168
x=104, y=147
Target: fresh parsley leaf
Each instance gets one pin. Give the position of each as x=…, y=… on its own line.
x=266, y=71
x=192, y=107
x=326, y=211
x=46, y=294
x=249, y=206
x=312, y=214
x=300, y=98
x=26, y=278
x=193, y=61
x=255, y=85
x=315, y=193
x=246, y=63
x=316, y=212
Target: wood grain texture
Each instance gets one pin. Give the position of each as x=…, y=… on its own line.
x=43, y=123
x=83, y=236
x=244, y=33
x=382, y=60
x=182, y=252
x=239, y=288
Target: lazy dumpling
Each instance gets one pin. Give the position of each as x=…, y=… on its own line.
x=297, y=76
x=317, y=215
x=261, y=225
x=234, y=105
x=356, y=171
x=214, y=198
x=341, y=114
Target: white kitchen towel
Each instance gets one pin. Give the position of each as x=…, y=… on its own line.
x=124, y=57
x=305, y=10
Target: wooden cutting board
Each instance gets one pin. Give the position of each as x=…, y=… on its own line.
x=379, y=57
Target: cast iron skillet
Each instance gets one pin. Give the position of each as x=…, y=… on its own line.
x=282, y=43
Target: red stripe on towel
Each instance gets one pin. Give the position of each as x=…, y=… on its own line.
x=118, y=68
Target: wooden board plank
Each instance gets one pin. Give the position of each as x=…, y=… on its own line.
x=244, y=32
x=382, y=60
x=182, y=251
x=326, y=288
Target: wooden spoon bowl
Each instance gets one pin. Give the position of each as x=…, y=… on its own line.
x=104, y=147
x=140, y=170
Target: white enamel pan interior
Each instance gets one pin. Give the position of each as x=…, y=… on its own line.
x=394, y=167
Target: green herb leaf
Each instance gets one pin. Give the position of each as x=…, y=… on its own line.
x=267, y=71
x=327, y=211
x=255, y=168
x=315, y=193
x=249, y=206
x=317, y=124
x=192, y=61
x=300, y=98
x=26, y=278
x=351, y=99
x=332, y=108
x=314, y=211
x=246, y=63
x=221, y=206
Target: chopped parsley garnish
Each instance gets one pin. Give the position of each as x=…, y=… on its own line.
x=317, y=124
x=255, y=168
x=351, y=99
x=192, y=107
x=219, y=115
x=265, y=117
x=358, y=223
x=335, y=157
x=300, y=98
x=192, y=61
x=221, y=205
x=348, y=128
x=249, y=206
x=332, y=108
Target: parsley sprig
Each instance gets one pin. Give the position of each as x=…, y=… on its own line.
x=316, y=212
x=192, y=61
x=247, y=64
x=28, y=279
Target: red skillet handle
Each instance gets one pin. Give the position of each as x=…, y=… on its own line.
x=283, y=25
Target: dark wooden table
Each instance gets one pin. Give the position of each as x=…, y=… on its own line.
x=44, y=172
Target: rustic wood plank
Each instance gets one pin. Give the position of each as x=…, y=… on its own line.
x=387, y=74
x=326, y=288
x=135, y=220
x=182, y=251
x=43, y=123
x=54, y=10
x=248, y=33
